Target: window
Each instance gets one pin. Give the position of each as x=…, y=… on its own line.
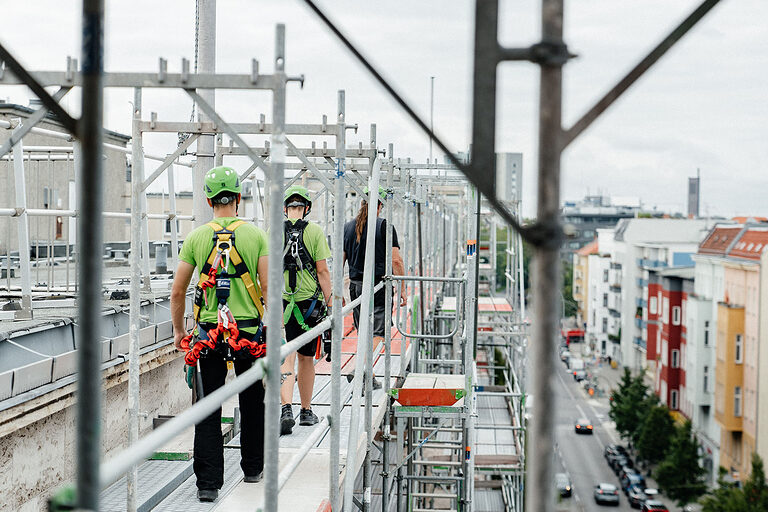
x=739, y=349
x=675, y=359
x=605, y=276
x=737, y=401
x=605, y=300
x=653, y=305
x=706, y=379
x=676, y=315
x=665, y=310
x=128, y=172
x=605, y=325
x=673, y=399
x=168, y=227
x=706, y=333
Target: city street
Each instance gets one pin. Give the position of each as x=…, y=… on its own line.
x=582, y=455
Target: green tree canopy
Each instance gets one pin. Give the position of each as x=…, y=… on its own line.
x=655, y=434
x=630, y=405
x=679, y=475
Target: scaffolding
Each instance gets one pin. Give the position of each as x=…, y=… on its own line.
x=466, y=354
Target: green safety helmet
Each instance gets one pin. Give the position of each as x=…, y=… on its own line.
x=382, y=193
x=297, y=190
x=221, y=179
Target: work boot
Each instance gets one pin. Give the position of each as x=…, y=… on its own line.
x=207, y=495
x=307, y=418
x=253, y=479
x=286, y=420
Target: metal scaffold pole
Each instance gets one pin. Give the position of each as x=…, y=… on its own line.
x=388, y=337
x=90, y=195
x=338, y=296
x=546, y=265
x=364, y=337
x=275, y=280
x=135, y=295
x=206, y=142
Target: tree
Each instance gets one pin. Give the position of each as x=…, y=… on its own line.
x=726, y=497
x=679, y=475
x=630, y=405
x=655, y=434
x=729, y=498
x=755, y=488
x=569, y=303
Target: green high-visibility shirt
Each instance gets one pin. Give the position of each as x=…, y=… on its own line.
x=251, y=244
x=317, y=247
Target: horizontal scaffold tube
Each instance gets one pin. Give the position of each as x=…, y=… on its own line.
x=122, y=462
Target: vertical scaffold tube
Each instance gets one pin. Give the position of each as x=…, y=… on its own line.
x=546, y=266
x=388, y=336
x=338, y=297
x=206, y=143
x=137, y=163
x=363, y=338
x=368, y=417
x=275, y=280
x=90, y=195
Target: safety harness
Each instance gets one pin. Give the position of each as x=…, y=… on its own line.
x=226, y=334
x=296, y=258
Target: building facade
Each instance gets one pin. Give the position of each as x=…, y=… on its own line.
x=580, y=285
x=589, y=215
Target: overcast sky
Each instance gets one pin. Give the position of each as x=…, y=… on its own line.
x=705, y=105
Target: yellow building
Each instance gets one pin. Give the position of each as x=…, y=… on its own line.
x=729, y=385
x=580, y=290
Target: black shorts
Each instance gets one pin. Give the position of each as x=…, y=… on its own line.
x=293, y=330
x=379, y=308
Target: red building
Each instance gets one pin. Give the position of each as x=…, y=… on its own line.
x=668, y=291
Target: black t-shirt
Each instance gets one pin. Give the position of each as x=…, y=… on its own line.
x=355, y=250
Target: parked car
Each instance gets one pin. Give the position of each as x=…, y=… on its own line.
x=583, y=426
x=606, y=493
x=617, y=462
x=635, y=496
x=653, y=506
x=579, y=375
x=614, y=449
x=631, y=479
x=565, y=355
x=638, y=495
x=563, y=484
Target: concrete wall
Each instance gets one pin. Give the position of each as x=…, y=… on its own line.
x=37, y=459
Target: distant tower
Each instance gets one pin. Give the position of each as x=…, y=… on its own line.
x=693, y=195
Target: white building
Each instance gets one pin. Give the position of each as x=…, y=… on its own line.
x=599, y=321
x=642, y=244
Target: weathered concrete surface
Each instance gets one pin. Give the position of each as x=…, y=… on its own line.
x=37, y=457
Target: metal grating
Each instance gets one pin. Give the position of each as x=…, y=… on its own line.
x=154, y=476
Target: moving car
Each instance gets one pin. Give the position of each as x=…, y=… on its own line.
x=563, y=484
x=654, y=506
x=583, y=426
x=606, y=493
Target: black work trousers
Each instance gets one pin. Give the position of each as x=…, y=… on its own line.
x=209, y=446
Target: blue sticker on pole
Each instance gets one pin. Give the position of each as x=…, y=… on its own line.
x=339, y=171
x=471, y=247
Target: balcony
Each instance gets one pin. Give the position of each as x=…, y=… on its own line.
x=641, y=303
x=642, y=283
x=640, y=342
x=640, y=323
x=647, y=263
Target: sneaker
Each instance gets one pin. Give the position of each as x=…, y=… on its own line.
x=307, y=418
x=253, y=479
x=207, y=495
x=286, y=420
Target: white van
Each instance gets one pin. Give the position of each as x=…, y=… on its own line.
x=576, y=364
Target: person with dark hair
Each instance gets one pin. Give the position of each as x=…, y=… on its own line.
x=354, y=253
x=306, y=297
x=229, y=253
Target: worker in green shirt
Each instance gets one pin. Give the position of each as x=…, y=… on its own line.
x=229, y=254
x=306, y=295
